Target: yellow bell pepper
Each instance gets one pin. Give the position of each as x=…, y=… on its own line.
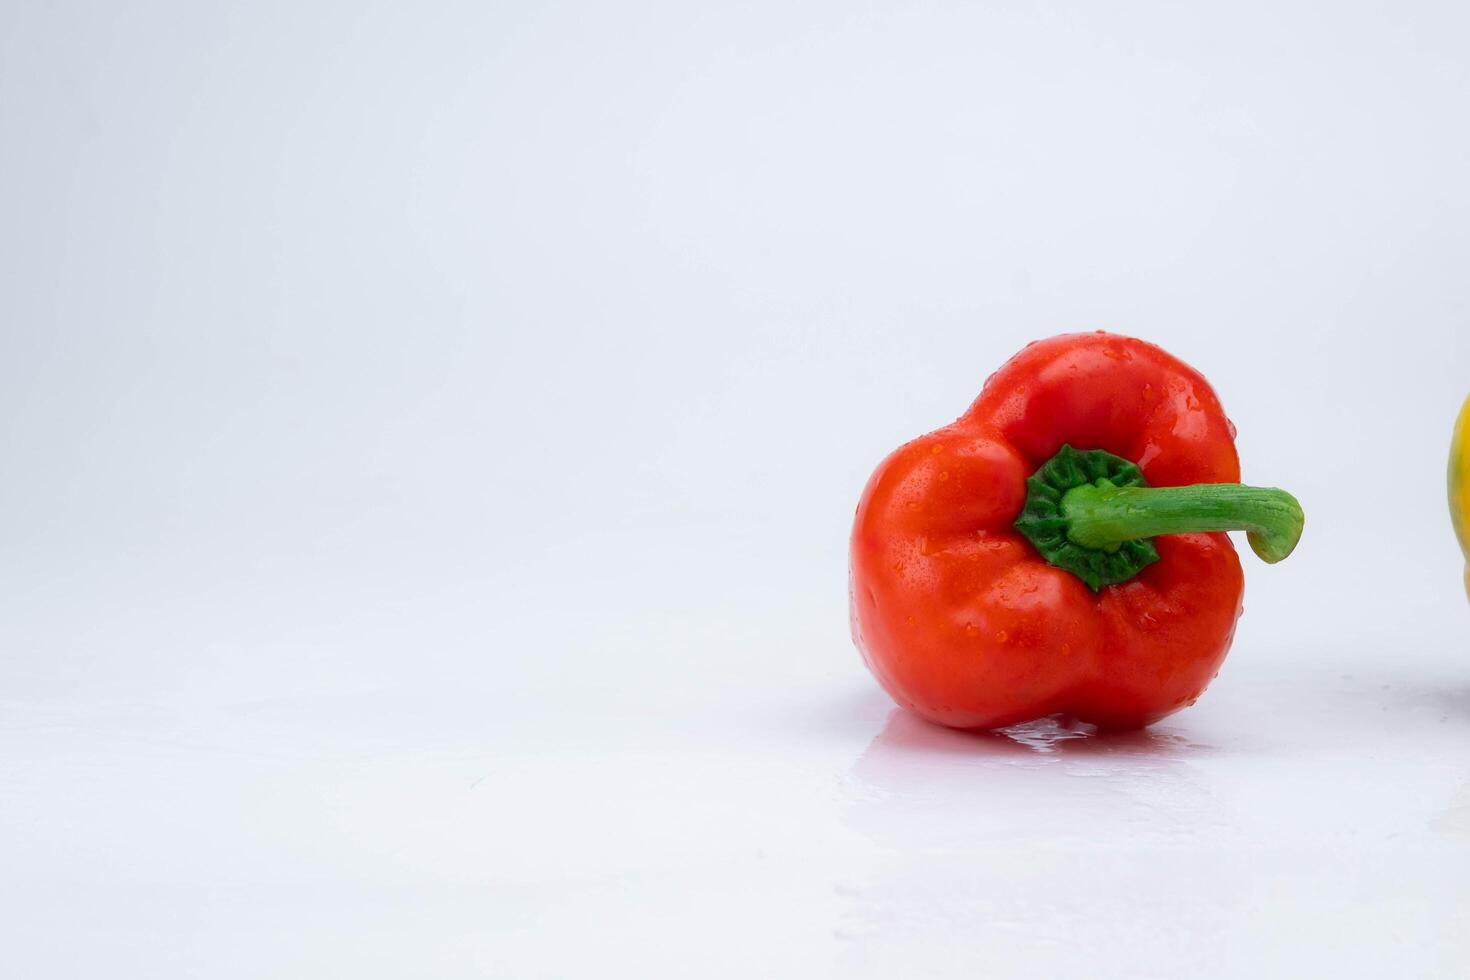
x=1460, y=485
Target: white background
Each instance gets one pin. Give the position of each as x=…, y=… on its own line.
x=430, y=433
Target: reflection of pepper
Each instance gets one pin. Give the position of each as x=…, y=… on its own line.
x=1000, y=575
x=1460, y=485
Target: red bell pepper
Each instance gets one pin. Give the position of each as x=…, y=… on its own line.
x=1058, y=549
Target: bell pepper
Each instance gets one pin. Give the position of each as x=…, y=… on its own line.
x=1460, y=485
x=1059, y=549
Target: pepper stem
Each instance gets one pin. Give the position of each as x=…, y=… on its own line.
x=1101, y=516
x=1093, y=514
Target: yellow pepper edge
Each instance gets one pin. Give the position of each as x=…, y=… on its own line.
x=1459, y=485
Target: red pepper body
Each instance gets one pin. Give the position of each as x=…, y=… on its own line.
x=959, y=617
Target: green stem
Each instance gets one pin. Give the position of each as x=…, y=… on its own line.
x=1101, y=516
x=1093, y=514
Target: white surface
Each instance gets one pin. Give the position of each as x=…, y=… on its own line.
x=430, y=437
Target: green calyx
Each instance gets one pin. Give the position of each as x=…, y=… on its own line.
x=1093, y=514
x=1046, y=527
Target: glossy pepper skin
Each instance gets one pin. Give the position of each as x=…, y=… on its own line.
x=957, y=614
x=1460, y=485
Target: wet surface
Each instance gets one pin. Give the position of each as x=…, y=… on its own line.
x=1327, y=833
